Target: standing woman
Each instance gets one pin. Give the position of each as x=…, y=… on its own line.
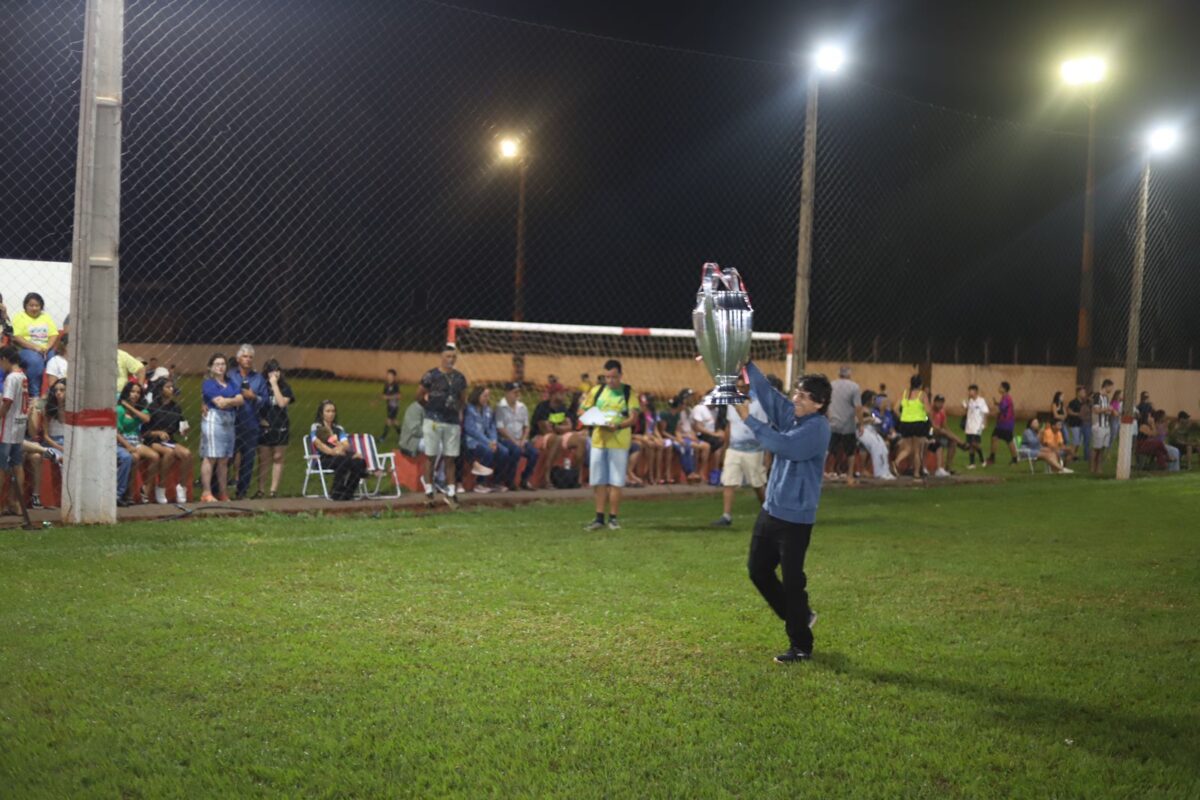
x=273, y=417
x=220, y=398
x=1058, y=409
x=797, y=433
x=166, y=423
x=36, y=334
x=913, y=407
x=131, y=415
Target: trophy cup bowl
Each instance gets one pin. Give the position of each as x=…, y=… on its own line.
x=723, y=321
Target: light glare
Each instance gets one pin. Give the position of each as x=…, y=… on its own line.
x=1162, y=139
x=1078, y=71
x=510, y=148
x=830, y=58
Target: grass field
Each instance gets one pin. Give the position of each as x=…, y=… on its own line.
x=1036, y=638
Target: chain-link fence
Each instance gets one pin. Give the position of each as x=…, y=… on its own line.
x=324, y=174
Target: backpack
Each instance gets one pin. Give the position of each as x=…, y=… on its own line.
x=564, y=477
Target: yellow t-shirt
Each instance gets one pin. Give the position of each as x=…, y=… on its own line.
x=612, y=403
x=126, y=365
x=33, y=330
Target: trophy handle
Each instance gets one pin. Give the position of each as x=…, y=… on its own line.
x=710, y=325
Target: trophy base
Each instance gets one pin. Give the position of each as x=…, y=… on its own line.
x=725, y=395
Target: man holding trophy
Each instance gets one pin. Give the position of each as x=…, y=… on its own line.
x=797, y=433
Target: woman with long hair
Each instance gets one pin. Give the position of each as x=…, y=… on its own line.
x=131, y=415
x=653, y=444
x=160, y=432
x=1058, y=409
x=330, y=440
x=273, y=417
x=220, y=399
x=913, y=409
x=483, y=441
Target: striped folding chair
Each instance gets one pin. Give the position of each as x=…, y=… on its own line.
x=380, y=465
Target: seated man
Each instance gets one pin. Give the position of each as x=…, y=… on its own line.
x=554, y=426
x=945, y=440
x=1185, y=436
x=512, y=425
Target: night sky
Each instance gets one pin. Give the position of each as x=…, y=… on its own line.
x=324, y=173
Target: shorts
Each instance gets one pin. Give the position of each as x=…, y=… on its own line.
x=910, y=430
x=843, y=443
x=441, y=438
x=742, y=466
x=393, y=410
x=715, y=442
x=1101, y=437
x=607, y=466
x=974, y=438
x=11, y=455
x=1003, y=435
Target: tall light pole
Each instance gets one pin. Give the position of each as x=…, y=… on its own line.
x=827, y=59
x=510, y=150
x=1088, y=73
x=1160, y=141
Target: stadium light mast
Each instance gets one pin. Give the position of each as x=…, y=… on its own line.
x=1087, y=73
x=511, y=150
x=1160, y=141
x=89, y=471
x=827, y=59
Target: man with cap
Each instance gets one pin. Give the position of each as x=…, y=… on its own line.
x=442, y=392
x=512, y=423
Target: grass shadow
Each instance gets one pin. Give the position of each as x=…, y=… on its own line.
x=1111, y=733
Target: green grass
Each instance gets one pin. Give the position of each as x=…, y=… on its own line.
x=1034, y=639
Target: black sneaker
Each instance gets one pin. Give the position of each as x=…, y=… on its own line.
x=594, y=525
x=35, y=502
x=430, y=501
x=793, y=655
x=613, y=525
x=722, y=522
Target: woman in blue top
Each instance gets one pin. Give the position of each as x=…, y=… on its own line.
x=221, y=399
x=798, y=435
x=483, y=440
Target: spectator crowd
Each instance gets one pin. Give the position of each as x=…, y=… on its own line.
x=607, y=431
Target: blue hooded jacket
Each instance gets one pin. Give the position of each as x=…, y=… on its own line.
x=479, y=426
x=799, y=445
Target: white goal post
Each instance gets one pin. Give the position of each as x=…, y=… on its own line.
x=658, y=360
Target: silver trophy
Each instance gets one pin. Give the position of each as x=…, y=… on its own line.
x=723, y=321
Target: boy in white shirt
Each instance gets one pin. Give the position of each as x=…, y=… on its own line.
x=14, y=416
x=977, y=412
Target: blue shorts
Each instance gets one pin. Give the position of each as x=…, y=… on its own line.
x=11, y=456
x=607, y=466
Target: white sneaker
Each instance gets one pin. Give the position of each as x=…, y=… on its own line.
x=160, y=496
x=481, y=470
x=887, y=477
x=180, y=494
x=941, y=473
x=970, y=466
x=1067, y=471
x=481, y=489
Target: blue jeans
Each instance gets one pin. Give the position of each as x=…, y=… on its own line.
x=246, y=443
x=124, y=470
x=34, y=364
x=514, y=452
x=496, y=459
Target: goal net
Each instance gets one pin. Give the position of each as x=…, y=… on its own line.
x=657, y=360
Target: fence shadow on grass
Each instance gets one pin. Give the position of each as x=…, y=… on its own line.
x=1110, y=733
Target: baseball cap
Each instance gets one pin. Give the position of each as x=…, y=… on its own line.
x=508, y=387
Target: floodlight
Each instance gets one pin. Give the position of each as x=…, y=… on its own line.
x=1079, y=71
x=830, y=58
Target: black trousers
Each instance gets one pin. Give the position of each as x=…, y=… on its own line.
x=778, y=543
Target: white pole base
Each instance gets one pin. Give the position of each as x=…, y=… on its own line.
x=1125, y=450
x=89, y=494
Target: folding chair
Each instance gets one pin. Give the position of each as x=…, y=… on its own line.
x=312, y=466
x=378, y=464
